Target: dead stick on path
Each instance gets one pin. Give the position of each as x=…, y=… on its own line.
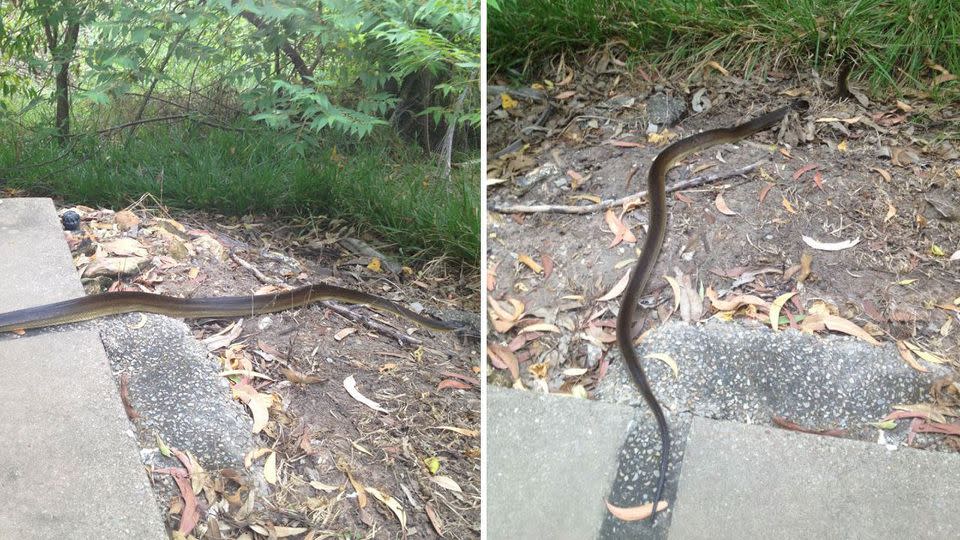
x=402, y=338
x=599, y=207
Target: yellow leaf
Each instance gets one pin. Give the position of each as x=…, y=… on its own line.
x=842, y=147
x=926, y=355
x=541, y=327
x=433, y=464
x=937, y=251
x=906, y=282
x=775, y=308
x=531, y=264
x=507, y=102
x=374, y=265
x=270, y=468
x=788, y=206
x=392, y=504
x=666, y=359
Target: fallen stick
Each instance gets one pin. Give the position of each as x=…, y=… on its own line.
x=604, y=205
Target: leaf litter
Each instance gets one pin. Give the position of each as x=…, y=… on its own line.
x=819, y=260
x=283, y=377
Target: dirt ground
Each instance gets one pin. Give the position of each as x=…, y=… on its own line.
x=343, y=469
x=885, y=175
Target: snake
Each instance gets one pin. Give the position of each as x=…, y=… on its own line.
x=653, y=243
x=94, y=306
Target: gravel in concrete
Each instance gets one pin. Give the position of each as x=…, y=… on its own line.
x=750, y=374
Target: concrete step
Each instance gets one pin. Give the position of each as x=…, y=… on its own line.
x=69, y=464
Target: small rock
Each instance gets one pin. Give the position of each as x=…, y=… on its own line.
x=547, y=170
x=126, y=220
x=665, y=110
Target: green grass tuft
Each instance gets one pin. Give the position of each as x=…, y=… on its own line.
x=393, y=189
x=893, y=39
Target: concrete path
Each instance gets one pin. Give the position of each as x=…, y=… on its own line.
x=550, y=458
x=550, y=462
x=69, y=467
x=743, y=482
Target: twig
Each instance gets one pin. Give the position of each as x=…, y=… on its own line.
x=516, y=144
x=402, y=338
x=599, y=207
x=255, y=271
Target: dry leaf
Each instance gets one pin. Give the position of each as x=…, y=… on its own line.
x=668, y=360
x=503, y=358
x=839, y=324
x=530, y=263
x=775, y=308
x=541, y=327
x=908, y=357
x=350, y=384
x=617, y=289
x=343, y=333
x=882, y=172
x=620, y=231
x=392, y=504
x=635, y=513
x=721, y=205
x=830, y=246
x=788, y=206
x=259, y=404
x=270, y=468
x=447, y=483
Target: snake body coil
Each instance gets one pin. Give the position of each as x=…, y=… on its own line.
x=656, y=194
x=99, y=305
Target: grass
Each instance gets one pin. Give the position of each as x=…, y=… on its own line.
x=390, y=188
x=893, y=39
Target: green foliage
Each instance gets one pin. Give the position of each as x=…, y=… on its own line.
x=161, y=89
x=895, y=40
x=384, y=186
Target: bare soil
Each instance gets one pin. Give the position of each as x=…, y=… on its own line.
x=319, y=433
x=887, y=173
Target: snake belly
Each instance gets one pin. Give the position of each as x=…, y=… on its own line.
x=657, y=228
x=94, y=306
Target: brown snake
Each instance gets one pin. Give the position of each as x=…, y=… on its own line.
x=656, y=194
x=99, y=305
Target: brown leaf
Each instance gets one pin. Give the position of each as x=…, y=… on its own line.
x=620, y=231
x=806, y=266
x=547, y=264
x=297, y=377
x=452, y=383
x=763, y=192
x=635, y=513
x=434, y=519
x=492, y=277
x=806, y=168
x=908, y=357
x=882, y=172
x=818, y=180
x=565, y=95
x=502, y=358
x=839, y=324
x=721, y=205
x=626, y=144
